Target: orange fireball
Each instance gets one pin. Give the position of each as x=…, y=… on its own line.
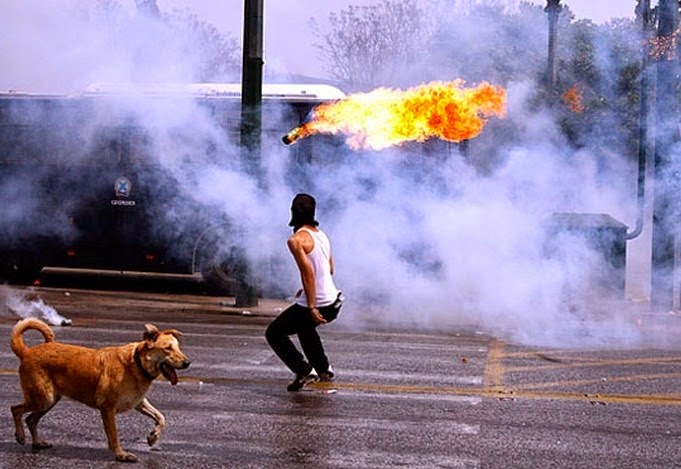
x=387, y=117
x=573, y=99
x=664, y=47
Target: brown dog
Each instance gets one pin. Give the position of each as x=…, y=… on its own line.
x=111, y=379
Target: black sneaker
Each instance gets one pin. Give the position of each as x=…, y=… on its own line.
x=301, y=380
x=327, y=375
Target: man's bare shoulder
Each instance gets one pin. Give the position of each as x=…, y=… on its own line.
x=300, y=239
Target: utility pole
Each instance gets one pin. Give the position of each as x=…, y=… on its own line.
x=251, y=86
x=644, y=16
x=251, y=121
x=553, y=9
x=666, y=185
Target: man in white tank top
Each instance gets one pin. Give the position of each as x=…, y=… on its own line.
x=318, y=301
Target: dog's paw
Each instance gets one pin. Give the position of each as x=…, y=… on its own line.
x=41, y=444
x=124, y=456
x=153, y=437
x=20, y=437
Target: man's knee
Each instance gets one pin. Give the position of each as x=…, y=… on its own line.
x=271, y=334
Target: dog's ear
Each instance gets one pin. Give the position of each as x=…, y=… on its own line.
x=174, y=332
x=150, y=333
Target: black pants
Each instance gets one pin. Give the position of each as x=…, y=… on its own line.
x=298, y=320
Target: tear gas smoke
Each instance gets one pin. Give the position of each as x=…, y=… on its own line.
x=29, y=305
x=422, y=237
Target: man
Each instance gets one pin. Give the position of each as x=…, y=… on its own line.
x=317, y=302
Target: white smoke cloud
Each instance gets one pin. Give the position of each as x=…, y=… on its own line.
x=65, y=45
x=419, y=240
x=27, y=304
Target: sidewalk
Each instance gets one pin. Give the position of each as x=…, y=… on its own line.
x=69, y=301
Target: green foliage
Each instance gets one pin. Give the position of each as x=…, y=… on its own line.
x=604, y=63
x=396, y=43
x=485, y=43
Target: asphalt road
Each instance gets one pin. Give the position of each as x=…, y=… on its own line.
x=409, y=399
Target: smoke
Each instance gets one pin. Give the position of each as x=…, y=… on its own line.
x=423, y=236
x=27, y=304
x=73, y=43
x=436, y=244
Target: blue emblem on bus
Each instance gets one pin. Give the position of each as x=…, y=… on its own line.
x=122, y=187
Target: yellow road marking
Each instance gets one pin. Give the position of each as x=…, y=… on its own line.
x=493, y=375
x=484, y=391
x=595, y=363
x=609, y=379
x=493, y=380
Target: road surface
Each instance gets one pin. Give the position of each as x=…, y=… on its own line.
x=412, y=399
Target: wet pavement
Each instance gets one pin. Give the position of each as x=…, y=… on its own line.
x=413, y=399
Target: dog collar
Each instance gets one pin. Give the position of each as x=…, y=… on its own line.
x=138, y=362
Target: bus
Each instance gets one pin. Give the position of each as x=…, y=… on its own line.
x=96, y=181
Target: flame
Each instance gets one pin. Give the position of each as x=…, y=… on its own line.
x=573, y=99
x=387, y=117
x=664, y=47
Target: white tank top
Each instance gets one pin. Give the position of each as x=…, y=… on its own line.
x=320, y=257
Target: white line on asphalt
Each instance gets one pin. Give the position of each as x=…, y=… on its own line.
x=365, y=375
x=404, y=377
x=390, y=460
x=442, y=428
x=330, y=457
x=471, y=400
x=259, y=358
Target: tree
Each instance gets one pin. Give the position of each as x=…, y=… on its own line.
x=148, y=7
x=397, y=43
x=219, y=54
x=160, y=43
x=373, y=45
x=597, y=64
x=604, y=63
x=487, y=42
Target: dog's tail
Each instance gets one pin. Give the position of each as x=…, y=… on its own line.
x=17, y=340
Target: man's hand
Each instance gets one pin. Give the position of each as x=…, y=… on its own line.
x=317, y=316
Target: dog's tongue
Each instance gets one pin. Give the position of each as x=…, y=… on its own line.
x=169, y=373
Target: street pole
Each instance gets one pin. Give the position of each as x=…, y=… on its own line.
x=251, y=86
x=553, y=8
x=665, y=211
x=644, y=17
x=251, y=119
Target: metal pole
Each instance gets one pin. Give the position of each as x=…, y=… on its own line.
x=553, y=8
x=644, y=16
x=665, y=210
x=251, y=115
x=251, y=86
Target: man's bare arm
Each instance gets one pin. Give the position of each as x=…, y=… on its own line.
x=297, y=245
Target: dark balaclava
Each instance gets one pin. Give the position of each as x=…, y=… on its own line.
x=302, y=211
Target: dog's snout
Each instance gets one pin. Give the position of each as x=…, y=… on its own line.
x=185, y=364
